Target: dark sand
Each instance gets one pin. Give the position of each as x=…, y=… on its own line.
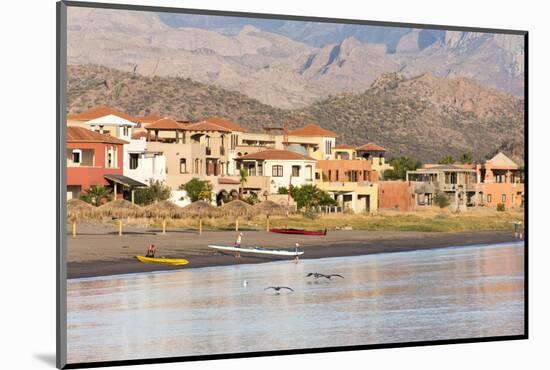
x=98, y=250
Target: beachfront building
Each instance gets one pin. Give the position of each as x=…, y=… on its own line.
x=271, y=169
x=317, y=141
x=497, y=181
x=501, y=182
x=139, y=163
x=81, y=119
x=95, y=159
x=349, y=179
x=198, y=150
x=458, y=182
x=376, y=155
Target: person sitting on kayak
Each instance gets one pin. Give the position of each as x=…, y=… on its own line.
x=239, y=239
x=151, y=251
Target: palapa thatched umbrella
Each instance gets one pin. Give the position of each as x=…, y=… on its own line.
x=164, y=209
x=237, y=208
x=120, y=208
x=200, y=209
x=269, y=208
x=78, y=209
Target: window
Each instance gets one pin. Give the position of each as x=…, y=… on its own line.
x=296, y=171
x=134, y=161
x=110, y=159
x=77, y=156
x=503, y=198
x=328, y=147
x=317, y=176
x=337, y=175
x=125, y=130
x=277, y=171
x=329, y=175
x=309, y=172
x=489, y=198
x=183, y=165
x=260, y=169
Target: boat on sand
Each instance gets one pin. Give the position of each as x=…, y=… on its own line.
x=163, y=261
x=299, y=231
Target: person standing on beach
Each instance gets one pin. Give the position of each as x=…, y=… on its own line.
x=239, y=239
x=296, y=258
x=517, y=230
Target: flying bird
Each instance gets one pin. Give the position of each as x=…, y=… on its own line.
x=277, y=288
x=317, y=275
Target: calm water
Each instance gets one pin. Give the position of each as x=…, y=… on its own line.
x=399, y=297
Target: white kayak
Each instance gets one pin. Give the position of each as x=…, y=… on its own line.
x=278, y=252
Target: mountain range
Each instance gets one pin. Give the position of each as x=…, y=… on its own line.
x=287, y=64
x=425, y=116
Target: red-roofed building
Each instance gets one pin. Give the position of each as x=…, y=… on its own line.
x=90, y=157
x=312, y=130
x=80, y=119
x=232, y=126
x=317, y=141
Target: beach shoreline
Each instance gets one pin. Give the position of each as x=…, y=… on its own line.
x=96, y=253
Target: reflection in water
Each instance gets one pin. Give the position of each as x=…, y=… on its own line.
x=399, y=297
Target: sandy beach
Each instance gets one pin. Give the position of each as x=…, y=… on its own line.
x=98, y=250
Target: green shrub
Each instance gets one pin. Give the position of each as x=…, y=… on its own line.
x=310, y=214
x=282, y=190
x=441, y=200
x=198, y=189
x=156, y=192
x=501, y=207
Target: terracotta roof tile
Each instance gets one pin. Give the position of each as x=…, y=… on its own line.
x=100, y=111
x=276, y=154
x=139, y=134
x=206, y=126
x=149, y=118
x=371, y=147
x=225, y=123
x=166, y=124
x=312, y=130
x=81, y=135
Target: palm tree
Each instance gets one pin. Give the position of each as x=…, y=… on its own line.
x=96, y=194
x=243, y=178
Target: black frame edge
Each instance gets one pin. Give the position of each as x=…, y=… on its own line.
x=61, y=105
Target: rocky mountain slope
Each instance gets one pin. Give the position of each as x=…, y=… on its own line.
x=290, y=64
x=425, y=117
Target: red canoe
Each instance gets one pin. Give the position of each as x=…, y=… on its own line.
x=299, y=231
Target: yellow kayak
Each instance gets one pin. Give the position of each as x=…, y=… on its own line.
x=164, y=261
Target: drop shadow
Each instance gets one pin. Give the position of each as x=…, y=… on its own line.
x=47, y=358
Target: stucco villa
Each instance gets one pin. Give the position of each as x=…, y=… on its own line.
x=95, y=159
x=497, y=181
